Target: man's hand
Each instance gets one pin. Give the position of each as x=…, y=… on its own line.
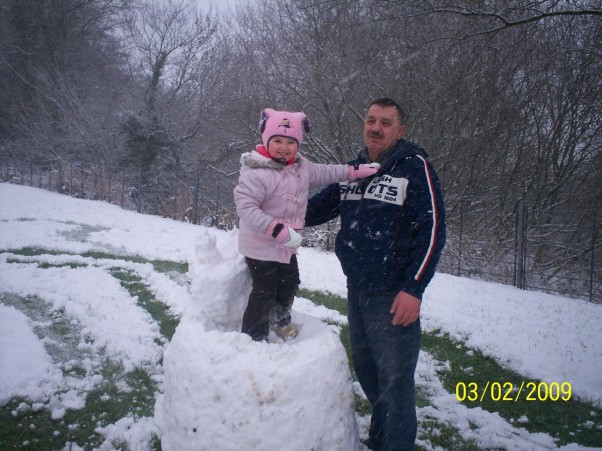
x=405, y=309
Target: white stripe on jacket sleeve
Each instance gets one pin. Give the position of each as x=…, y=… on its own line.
x=435, y=213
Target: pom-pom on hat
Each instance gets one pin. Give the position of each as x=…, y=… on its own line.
x=283, y=123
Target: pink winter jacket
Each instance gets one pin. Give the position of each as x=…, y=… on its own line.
x=267, y=190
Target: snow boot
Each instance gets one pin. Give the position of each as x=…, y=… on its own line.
x=287, y=332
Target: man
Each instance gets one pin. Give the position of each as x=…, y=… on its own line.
x=392, y=234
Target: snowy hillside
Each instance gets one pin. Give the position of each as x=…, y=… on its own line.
x=65, y=256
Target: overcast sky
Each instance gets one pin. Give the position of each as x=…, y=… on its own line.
x=220, y=4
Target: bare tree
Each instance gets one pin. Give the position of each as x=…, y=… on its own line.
x=493, y=16
x=170, y=58
x=312, y=56
x=60, y=65
x=170, y=49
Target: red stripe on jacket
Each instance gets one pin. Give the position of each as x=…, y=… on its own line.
x=433, y=240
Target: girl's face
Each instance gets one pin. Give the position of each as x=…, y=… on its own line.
x=282, y=148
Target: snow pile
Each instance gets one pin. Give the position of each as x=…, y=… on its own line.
x=215, y=305
x=29, y=368
x=224, y=391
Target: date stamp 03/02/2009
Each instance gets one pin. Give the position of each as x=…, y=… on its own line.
x=508, y=391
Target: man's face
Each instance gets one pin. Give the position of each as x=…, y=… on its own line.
x=382, y=129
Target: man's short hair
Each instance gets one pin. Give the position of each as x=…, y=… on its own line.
x=385, y=102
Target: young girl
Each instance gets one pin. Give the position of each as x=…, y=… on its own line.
x=271, y=200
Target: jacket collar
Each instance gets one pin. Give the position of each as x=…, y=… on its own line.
x=400, y=150
x=262, y=150
x=257, y=159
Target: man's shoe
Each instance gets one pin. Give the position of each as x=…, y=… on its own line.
x=287, y=332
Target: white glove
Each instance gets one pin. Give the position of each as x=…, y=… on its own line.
x=295, y=240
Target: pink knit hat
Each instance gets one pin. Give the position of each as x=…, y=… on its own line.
x=283, y=123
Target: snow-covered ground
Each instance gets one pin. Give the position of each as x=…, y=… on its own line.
x=541, y=336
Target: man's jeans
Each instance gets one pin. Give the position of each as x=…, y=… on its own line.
x=384, y=358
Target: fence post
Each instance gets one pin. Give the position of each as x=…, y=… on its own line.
x=139, y=200
x=105, y=179
x=60, y=177
x=81, y=188
x=217, y=204
x=122, y=186
x=195, y=207
x=460, y=237
x=520, y=245
x=593, y=257
x=71, y=179
x=95, y=195
x=175, y=202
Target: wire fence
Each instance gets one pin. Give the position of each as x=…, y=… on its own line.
x=191, y=192
x=556, y=251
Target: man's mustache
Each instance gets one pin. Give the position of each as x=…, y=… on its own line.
x=378, y=135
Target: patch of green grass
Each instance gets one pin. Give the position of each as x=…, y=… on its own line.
x=24, y=425
x=65, y=265
x=133, y=283
x=31, y=251
x=329, y=300
x=137, y=400
x=23, y=428
x=166, y=266
x=444, y=436
x=60, y=334
x=569, y=421
x=159, y=311
x=46, y=265
x=42, y=265
x=162, y=266
x=99, y=255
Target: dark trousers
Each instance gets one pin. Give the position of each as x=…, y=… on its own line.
x=274, y=288
x=384, y=358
